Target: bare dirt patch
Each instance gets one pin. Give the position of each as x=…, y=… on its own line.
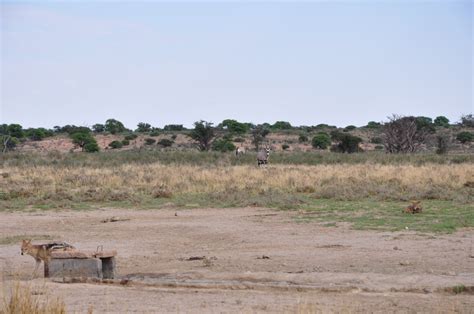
x=307, y=267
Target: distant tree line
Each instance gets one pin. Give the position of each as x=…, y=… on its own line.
x=400, y=134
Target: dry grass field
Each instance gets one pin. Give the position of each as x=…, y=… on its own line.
x=309, y=233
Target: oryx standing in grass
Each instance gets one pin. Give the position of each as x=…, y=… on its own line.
x=239, y=151
x=262, y=156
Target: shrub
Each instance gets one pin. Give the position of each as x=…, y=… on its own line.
x=125, y=142
x=465, y=137
x=321, y=141
x=302, y=138
x=349, y=128
x=173, y=127
x=234, y=126
x=285, y=146
x=223, y=145
x=165, y=142
x=115, y=144
x=378, y=147
x=281, y=125
x=348, y=143
x=149, y=141
x=376, y=140
x=442, y=143
x=405, y=134
x=373, y=125
x=130, y=137
x=38, y=134
x=174, y=136
x=91, y=147
x=155, y=133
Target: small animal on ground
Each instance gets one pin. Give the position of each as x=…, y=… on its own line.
x=414, y=208
x=262, y=156
x=240, y=151
x=42, y=252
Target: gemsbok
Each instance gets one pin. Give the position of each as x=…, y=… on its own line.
x=262, y=156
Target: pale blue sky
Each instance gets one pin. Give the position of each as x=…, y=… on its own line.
x=338, y=62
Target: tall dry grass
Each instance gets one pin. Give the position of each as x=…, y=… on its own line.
x=22, y=301
x=138, y=181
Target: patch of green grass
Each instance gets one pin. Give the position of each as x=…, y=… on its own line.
x=17, y=238
x=437, y=216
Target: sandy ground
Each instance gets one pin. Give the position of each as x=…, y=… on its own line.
x=257, y=260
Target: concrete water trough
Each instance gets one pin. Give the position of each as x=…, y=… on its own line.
x=75, y=263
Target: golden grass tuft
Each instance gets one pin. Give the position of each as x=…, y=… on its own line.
x=22, y=301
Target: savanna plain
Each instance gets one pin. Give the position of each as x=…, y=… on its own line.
x=212, y=232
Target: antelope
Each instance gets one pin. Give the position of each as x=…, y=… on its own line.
x=239, y=151
x=262, y=156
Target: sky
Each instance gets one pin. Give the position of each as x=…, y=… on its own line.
x=335, y=62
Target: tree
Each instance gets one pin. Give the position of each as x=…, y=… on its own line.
x=425, y=124
x=321, y=140
x=302, y=138
x=38, y=134
x=15, y=130
x=373, y=125
x=143, y=127
x=258, y=135
x=223, y=145
x=465, y=137
x=403, y=134
x=347, y=143
x=114, y=126
x=467, y=120
x=349, y=128
x=443, y=141
x=9, y=136
x=281, y=125
x=98, y=128
x=173, y=127
x=203, y=133
x=442, y=121
x=234, y=126
x=85, y=141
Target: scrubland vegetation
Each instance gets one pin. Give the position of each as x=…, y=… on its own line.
x=152, y=168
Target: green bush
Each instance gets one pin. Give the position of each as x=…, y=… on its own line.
x=125, y=142
x=155, y=133
x=98, y=128
x=91, y=147
x=281, y=125
x=130, y=137
x=302, y=138
x=143, y=127
x=223, y=145
x=348, y=143
x=442, y=121
x=373, y=125
x=115, y=144
x=149, y=141
x=321, y=141
x=349, y=128
x=379, y=147
x=165, y=142
x=173, y=127
x=376, y=140
x=465, y=137
x=285, y=146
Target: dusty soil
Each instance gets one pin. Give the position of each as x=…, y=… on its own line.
x=257, y=260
